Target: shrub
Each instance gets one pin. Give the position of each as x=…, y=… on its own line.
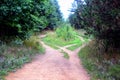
x=66, y=32
x=2, y=49
x=23, y=17
x=100, y=18
x=115, y=71
x=34, y=42
x=103, y=67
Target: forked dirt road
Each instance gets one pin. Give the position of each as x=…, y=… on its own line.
x=52, y=66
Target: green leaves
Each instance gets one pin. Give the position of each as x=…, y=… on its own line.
x=100, y=18
x=25, y=16
x=66, y=32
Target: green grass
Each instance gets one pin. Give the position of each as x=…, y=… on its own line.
x=98, y=67
x=66, y=32
x=53, y=41
x=72, y=48
x=88, y=63
x=59, y=38
x=65, y=55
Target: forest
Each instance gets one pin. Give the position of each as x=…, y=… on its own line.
x=28, y=26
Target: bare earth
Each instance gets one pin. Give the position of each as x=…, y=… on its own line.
x=52, y=66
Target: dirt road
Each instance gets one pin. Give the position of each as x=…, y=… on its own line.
x=52, y=66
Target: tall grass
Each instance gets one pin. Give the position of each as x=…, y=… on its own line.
x=66, y=32
x=34, y=42
x=102, y=67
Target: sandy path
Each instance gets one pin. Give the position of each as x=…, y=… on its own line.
x=52, y=66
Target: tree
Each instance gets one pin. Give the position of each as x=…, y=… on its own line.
x=102, y=19
x=24, y=17
x=55, y=18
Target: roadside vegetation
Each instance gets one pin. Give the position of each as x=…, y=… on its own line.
x=19, y=21
x=101, y=20
x=64, y=35
x=17, y=53
x=65, y=55
x=103, y=67
x=97, y=21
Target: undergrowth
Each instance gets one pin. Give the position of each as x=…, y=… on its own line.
x=66, y=32
x=100, y=67
x=17, y=53
x=34, y=42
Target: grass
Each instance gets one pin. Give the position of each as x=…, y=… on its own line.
x=98, y=66
x=65, y=55
x=34, y=42
x=13, y=56
x=65, y=35
x=87, y=61
x=52, y=40
x=72, y=48
x=62, y=36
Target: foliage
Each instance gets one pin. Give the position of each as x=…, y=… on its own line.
x=34, y=42
x=103, y=67
x=115, y=71
x=66, y=32
x=23, y=17
x=73, y=19
x=53, y=40
x=100, y=18
x=86, y=39
x=65, y=55
x=15, y=18
x=13, y=57
x=55, y=17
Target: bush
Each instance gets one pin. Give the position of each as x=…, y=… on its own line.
x=15, y=19
x=103, y=67
x=2, y=49
x=115, y=71
x=34, y=42
x=100, y=18
x=23, y=17
x=66, y=32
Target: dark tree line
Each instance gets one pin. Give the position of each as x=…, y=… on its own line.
x=23, y=17
x=100, y=18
